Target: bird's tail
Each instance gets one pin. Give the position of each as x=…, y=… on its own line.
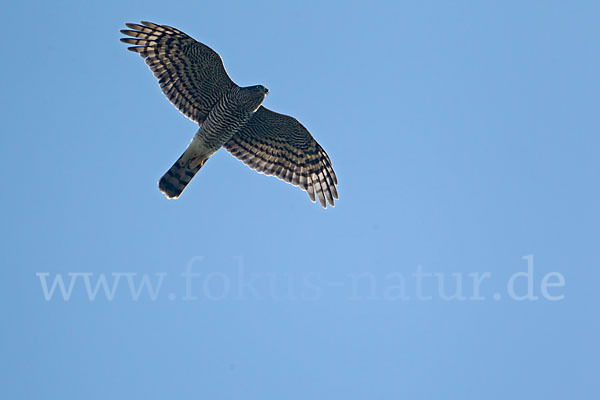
x=181, y=173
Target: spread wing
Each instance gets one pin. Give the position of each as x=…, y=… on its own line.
x=276, y=144
x=190, y=74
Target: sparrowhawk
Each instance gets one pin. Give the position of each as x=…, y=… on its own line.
x=193, y=78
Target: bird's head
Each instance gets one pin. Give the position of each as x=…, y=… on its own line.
x=260, y=89
x=253, y=96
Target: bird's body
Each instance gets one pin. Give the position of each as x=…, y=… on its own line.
x=230, y=114
x=193, y=78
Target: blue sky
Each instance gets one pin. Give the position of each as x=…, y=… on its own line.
x=465, y=139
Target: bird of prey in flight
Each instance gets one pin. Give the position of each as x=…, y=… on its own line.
x=193, y=78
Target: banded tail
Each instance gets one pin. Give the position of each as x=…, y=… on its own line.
x=181, y=173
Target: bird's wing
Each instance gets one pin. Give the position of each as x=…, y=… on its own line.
x=190, y=74
x=276, y=144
